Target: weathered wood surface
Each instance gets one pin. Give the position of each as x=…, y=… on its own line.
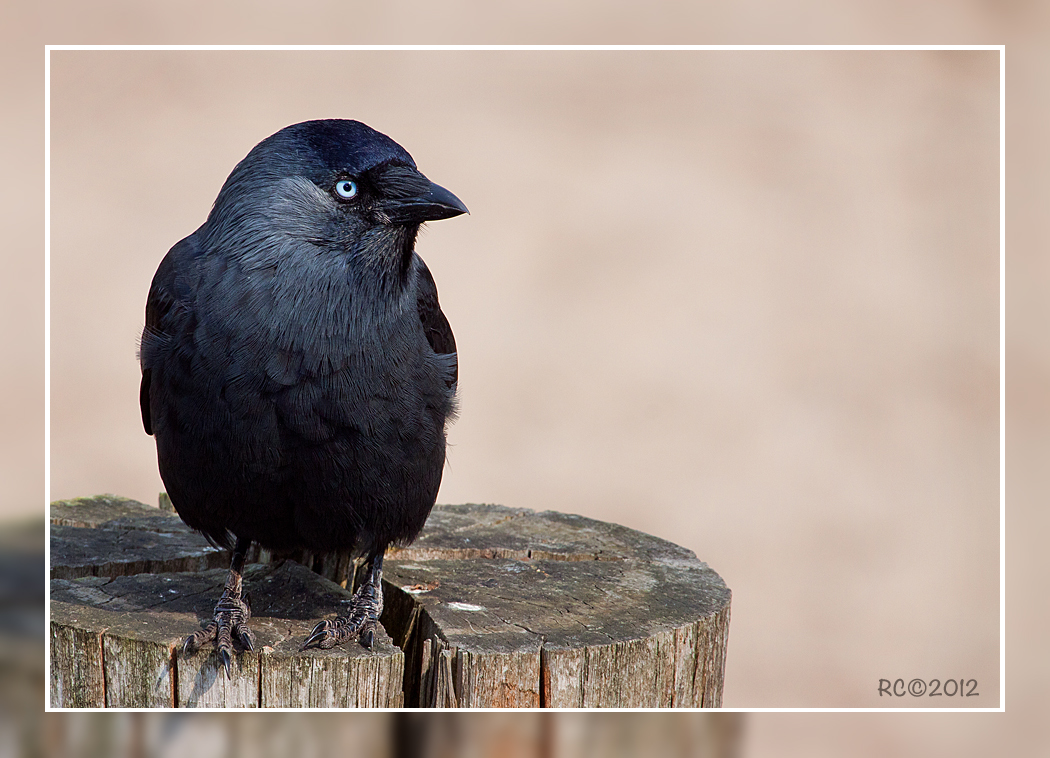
x=501, y=607
x=134, y=538
x=116, y=642
x=492, y=606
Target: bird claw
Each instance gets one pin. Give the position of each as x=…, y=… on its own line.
x=316, y=635
x=361, y=621
x=224, y=657
x=200, y=637
x=328, y=634
x=230, y=623
x=367, y=637
x=247, y=638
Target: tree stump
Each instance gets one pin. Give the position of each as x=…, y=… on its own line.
x=490, y=607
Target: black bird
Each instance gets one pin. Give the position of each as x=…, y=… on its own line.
x=297, y=371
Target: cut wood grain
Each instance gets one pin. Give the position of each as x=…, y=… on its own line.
x=605, y=615
x=130, y=538
x=117, y=642
x=490, y=607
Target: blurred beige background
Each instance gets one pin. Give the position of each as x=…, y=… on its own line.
x=745, y=301
x=760, y=576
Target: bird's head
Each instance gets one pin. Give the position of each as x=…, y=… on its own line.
x=335, y=184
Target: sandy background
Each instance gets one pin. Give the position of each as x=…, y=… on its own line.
x=744, y=301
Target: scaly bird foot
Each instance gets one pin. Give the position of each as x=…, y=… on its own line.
x=230, y=623
x=361, y=621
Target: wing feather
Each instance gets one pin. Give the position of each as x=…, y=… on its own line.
x=435, y=325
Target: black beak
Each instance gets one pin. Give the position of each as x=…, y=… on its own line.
x=432, y=204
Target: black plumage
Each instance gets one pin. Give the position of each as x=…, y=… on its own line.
x=297, y=370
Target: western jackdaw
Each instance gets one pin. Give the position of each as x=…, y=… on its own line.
x=297, y=371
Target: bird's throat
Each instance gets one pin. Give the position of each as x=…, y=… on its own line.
x=386, y=251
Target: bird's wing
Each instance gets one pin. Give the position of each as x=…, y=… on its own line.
x=159, y=303
x=435, y=325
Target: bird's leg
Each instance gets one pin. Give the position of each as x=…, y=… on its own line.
x=363, y=617
x=231, y=615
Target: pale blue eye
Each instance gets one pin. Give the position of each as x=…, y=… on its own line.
x=346, y=189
